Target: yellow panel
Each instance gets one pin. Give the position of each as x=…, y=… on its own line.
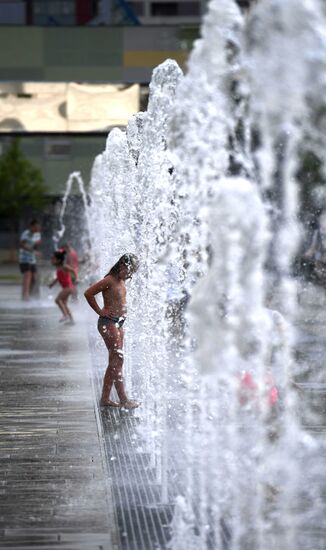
x=151, y=58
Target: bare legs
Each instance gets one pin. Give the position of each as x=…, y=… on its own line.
x=61, y=301
x=27, y=283
x=113, y=338
x=113, y=375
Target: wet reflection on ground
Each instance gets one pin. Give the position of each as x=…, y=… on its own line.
x=52, y=487
x=53, y=490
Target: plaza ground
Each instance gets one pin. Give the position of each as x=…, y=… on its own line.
x=53, y=477
x=73, y=477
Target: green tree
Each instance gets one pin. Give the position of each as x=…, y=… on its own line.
x=22, y=187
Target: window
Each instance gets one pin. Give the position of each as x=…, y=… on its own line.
x=162, y=9
x=177, y=9
x=57, y=148
x=189, y=9
x=12, y=12
x=68, y=8
x=137, y=8
x=54, y=7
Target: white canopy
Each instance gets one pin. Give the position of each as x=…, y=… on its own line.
x=66, y=107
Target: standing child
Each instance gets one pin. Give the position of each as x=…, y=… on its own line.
x=110, y=322
x=29, y=244
x=63, y=276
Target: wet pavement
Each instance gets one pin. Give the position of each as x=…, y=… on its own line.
x=310, y=356
x=143, y=509
x=76, y=477
x=54, y=485
x=143, y=499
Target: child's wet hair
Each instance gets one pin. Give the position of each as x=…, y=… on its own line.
x=60, y=255
x=129, y=260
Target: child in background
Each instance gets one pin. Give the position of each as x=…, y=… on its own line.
x=29, y=249
x=72, y=260
x=64, y=277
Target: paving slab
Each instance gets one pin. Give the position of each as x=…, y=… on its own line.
x=54, y=485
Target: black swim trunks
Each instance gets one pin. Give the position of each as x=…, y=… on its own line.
x=111, y=319
x=24, y=267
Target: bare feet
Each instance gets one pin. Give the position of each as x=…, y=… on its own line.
x=129, y=404
x=70, y=322
x=108, y=403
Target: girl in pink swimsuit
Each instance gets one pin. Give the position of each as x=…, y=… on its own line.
x=63, y=276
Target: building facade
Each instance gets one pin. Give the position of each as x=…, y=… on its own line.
x=55, y=56
x=100, y=12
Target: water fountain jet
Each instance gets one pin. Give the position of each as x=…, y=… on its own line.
x=240, y=466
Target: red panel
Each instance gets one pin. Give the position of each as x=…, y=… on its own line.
x=83, y=11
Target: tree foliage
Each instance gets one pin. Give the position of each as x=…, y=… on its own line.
x=21, y=184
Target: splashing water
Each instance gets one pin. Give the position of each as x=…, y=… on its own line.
x=73, y=177
x=166, y=191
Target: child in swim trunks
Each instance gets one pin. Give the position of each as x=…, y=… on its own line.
x=64, y=277
x=110, y=322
